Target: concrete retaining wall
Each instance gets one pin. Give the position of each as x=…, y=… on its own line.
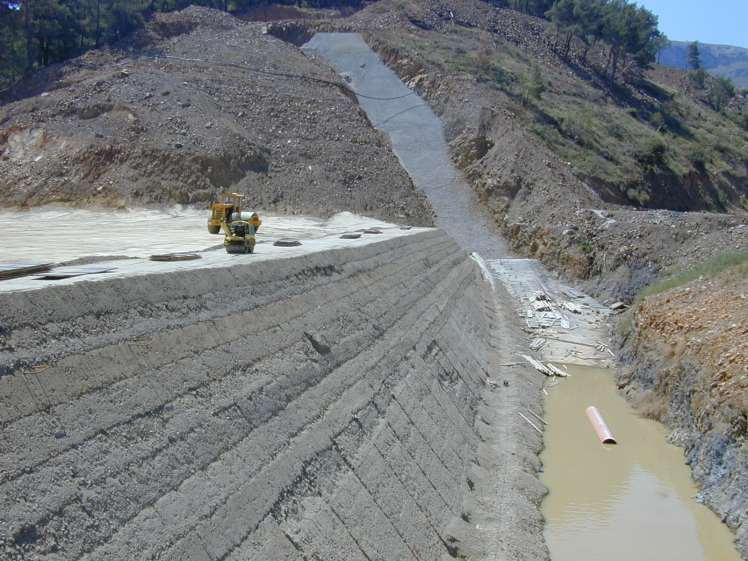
x=320, y=408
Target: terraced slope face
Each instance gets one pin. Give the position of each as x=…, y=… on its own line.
x=321, y=407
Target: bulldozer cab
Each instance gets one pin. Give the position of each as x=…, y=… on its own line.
x=222, y=211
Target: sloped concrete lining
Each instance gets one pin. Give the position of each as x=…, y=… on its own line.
x=340, y=405
x=417, y=138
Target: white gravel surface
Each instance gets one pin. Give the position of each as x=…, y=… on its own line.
x=55, y=235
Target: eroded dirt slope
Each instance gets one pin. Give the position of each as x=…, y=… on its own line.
x=119, y=127
x=686, y=364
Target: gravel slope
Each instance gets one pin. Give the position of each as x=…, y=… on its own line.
x=119, y=127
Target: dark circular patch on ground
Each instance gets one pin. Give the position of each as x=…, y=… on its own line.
x=287, y=242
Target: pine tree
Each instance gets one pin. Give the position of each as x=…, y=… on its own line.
x=697, y=74
x=694, y=56
x=566, y=23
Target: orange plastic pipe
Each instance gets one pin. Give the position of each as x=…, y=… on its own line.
x=598, y=423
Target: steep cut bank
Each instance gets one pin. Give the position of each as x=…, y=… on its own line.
x=342, y=405
x=685, y=360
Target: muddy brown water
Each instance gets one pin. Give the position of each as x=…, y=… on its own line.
x=625, y=502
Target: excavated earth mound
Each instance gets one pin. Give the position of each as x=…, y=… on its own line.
x=135, y=125
x=341, y=405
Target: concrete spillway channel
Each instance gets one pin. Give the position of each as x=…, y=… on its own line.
x=417, y=138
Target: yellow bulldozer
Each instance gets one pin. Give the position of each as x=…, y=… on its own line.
x=238, y=226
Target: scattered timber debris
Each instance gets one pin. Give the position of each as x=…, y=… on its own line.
x=571, y=293
x=548, y=369
x=70, y=272
x=22, y=269
x=556, y=370
x=538, y=417
x=176, y=257
x=541, y=306
x=529, y=422
x=537, y=344
x=573, y=308
x=537, y=365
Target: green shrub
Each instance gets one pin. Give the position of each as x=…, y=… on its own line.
x=698, y=158
x=639, y=196
x=720, y=93
x=657, y=120
x=586, y=247
x=698, y=78
x=653, y=154
x=534, y=85
x=710, y=268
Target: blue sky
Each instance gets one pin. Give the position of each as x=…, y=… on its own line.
x=716, y=21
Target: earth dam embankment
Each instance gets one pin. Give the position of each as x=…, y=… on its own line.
x=345, y=404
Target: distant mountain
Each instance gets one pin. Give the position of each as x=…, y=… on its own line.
x=722, y=60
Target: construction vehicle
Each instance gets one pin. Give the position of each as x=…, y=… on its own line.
x=238, y=226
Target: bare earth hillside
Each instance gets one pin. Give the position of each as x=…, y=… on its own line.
x=567, y=174
x=686, y=364
x=130, y=126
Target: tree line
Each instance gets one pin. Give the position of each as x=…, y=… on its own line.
x=36, y=33
x=720, y=90
x=629, y=32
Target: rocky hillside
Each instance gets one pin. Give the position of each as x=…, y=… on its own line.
x=564, y=160
x=197, y=103
x=721, y=60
